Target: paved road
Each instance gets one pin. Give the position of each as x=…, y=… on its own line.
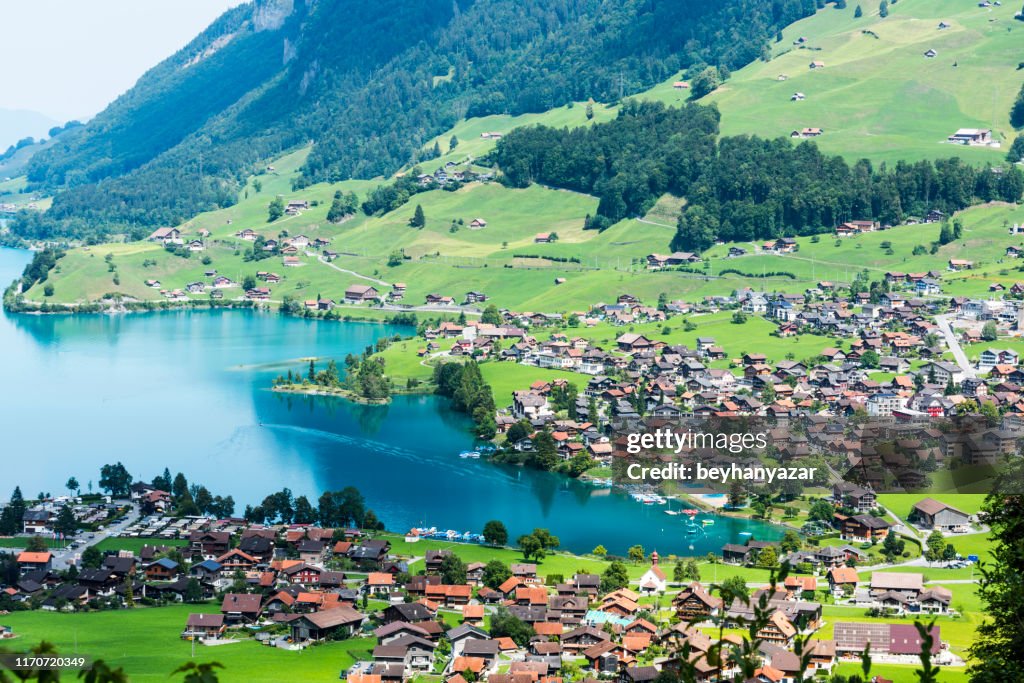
x=954, y=344
x=352, y=272
x=62, y=558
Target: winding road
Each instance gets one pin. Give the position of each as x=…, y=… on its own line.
x=954, y=344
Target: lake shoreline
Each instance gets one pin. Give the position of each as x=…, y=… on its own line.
x=334, y=392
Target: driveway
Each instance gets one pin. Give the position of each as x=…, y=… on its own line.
x=954, y=344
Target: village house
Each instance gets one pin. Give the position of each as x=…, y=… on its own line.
x=864, y=528
x=293, y=208
x=166, y=236
x=355, y=294
x=807, y=133
x=341, y=621
x=240, y=608
x=203, y=626
x=932, y=514
x=853, y=638
x=971, y=136
x=694, y=604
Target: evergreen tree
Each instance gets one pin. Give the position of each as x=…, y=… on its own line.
x=883, y=9
x=858, y=12
x=418, y=220
x=1017, y=111
x=129, y=592
x=66, y=524
x=1011, y=185
x=545, y=453
x=453, y=143
x=1016, y=152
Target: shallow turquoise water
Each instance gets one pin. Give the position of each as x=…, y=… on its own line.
x=188, y=391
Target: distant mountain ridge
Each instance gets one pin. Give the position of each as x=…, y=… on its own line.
x=16, y=124
x=368, y=84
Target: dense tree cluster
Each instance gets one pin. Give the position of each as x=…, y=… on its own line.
x=343, y=206
x=370, y=84
x=369, y=380
x=760, y=189
x=740, y=188
x=11, y=516
x=193, y=499
x=38, y=269
x=1017, y=110
x=997, y=653
x=465, y=386
x=649, y=149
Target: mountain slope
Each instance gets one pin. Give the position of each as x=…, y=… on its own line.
x=368, y=83
x=16, y=124
x=879, y=96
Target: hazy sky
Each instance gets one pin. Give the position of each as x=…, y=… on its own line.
x=70, y=58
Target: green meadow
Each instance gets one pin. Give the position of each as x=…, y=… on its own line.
x=146, y=643
x=878, y=96
x=901, y=503
x=473, y=146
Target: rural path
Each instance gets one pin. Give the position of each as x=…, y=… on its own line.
x=352, y=272
x=911, y=531
x=661, y=225
x=954, y=344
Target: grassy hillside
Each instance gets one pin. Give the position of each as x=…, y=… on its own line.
x=471, y=144
x=596, y=266
x=984, y=242
x=878, y=96
x=501, y=259
x=149, y=648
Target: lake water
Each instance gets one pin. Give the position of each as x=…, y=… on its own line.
x=189, y=391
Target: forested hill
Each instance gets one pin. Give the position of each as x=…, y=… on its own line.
x=368, y=83
x=737, y=188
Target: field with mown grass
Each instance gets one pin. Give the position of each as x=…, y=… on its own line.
x=902, y=503
x=878, y=96
x=823, y=257
x=595, y=266
x=902, y=673
x=146, y=643
x=472, y=145
x=753, y=336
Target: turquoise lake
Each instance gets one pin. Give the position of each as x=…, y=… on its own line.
x=189, y=391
